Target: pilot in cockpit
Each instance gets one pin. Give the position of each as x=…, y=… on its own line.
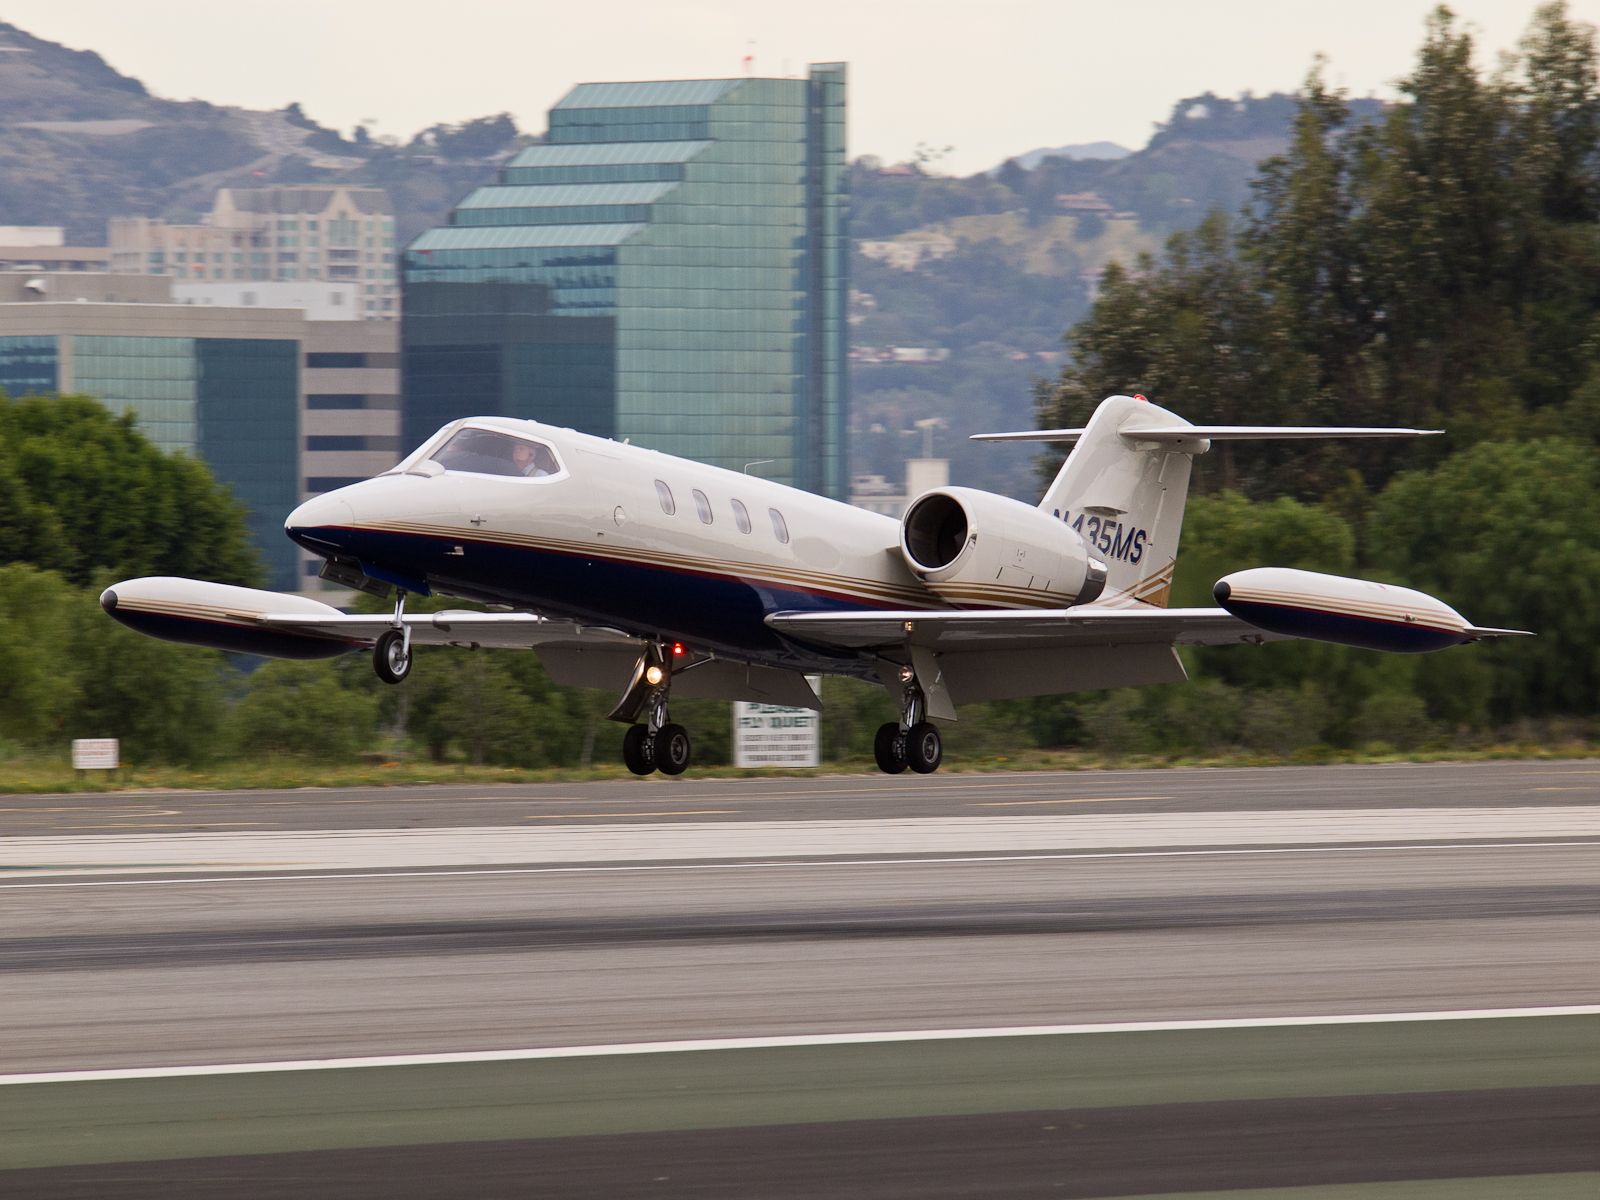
x=532, y=459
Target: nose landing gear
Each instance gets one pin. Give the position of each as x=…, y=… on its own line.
x=391, y=654
x=657, y=744
x=913, y=741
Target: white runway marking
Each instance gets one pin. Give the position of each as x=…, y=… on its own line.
x=761, y=1043
x=698, y=841
x=787, y=864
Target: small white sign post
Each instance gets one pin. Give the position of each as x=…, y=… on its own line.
x=769, y=735
x=94, y=754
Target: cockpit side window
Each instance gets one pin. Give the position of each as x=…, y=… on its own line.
x=494, y=452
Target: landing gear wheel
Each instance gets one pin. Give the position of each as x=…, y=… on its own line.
x=889, y=748
x=638, y=750
x=390, y=657
x=672, y=749
x=924, y=748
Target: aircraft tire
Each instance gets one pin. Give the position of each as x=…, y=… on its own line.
x=672, y=750
x=390, y=660
x=924, y=748
x=889, y=748
x=638, y=750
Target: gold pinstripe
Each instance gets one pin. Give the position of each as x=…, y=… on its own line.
x=1154, y=590
x=189, y=610
x=1340, y=606
x=882, y=591
x=183, y=608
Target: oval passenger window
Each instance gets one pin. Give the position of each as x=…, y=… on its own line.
x=702, y=506
x=664, y=494
x=741, y=516
x=780, y=527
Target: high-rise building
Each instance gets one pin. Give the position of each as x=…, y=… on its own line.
x=279, y=407
x=331, y=233
x=667, y=267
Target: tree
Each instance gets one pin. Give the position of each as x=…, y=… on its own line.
x=37, y=686
x=164, y=702
x=1509, y=529
x=1440, y=265
x=82, y=490
x=301, y=708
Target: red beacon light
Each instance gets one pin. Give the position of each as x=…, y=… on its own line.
x=677, y=649
x=1141, y=397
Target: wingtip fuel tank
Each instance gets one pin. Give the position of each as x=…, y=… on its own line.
x=219, y=615
x=1351, y=612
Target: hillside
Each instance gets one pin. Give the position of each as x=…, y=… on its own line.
x=80, y=143
x=982, y=276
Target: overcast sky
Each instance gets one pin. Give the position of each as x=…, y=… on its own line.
x=990, y=78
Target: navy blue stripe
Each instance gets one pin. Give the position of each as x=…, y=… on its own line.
x=709, y=611
x=223, y=635
x=1368, y=633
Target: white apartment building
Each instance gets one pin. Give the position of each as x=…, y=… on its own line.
x=334, y=234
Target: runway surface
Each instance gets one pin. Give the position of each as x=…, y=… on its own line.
x=234, y=928
x=840, y=798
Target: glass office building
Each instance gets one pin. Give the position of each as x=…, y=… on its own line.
x=668, y=267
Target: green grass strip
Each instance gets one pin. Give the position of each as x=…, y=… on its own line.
x=66, y=1123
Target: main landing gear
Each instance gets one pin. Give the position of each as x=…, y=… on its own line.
x=913, y=741
x=656, y=744
x=391, y=654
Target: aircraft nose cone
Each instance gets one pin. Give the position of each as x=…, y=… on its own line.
x=108, y=600
x=317, y=517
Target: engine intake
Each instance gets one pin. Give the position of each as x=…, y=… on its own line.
x=977, y=550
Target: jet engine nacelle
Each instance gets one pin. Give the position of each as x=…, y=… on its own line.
x=220, y=615
x=977, y=550
x=1351, y=612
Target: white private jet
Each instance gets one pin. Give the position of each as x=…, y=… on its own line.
x=629, y=569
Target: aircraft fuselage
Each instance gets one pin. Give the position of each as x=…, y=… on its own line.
x=595, y=541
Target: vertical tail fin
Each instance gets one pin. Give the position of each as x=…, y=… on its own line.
x=1125, y=483
x=1126, y=497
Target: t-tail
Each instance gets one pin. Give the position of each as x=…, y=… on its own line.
x=1123, y=487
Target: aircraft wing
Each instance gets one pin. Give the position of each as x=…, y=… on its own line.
x=963, y=656
x=961, y=629
x=505, y=631
x=573, y=654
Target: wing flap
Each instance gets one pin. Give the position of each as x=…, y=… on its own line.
x=955, y=630
x=509, y=631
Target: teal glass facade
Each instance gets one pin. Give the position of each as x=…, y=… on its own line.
x=28, y=365
x=231, y=402
x=668, y=267
x=156, y=377
x=248, y=426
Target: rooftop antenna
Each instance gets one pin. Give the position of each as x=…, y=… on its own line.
x=760, y=462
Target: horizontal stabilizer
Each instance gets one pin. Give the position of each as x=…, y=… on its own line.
x=1214, y=433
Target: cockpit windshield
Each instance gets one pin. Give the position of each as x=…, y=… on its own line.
x=493, y=452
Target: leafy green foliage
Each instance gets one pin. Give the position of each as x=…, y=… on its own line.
x=73, y=672
x=302, y=708
x=1509, y=529
x=1438, y=265
x=165, y=702
x=82, y=491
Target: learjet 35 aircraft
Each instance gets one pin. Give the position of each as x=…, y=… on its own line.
x=655, y=576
